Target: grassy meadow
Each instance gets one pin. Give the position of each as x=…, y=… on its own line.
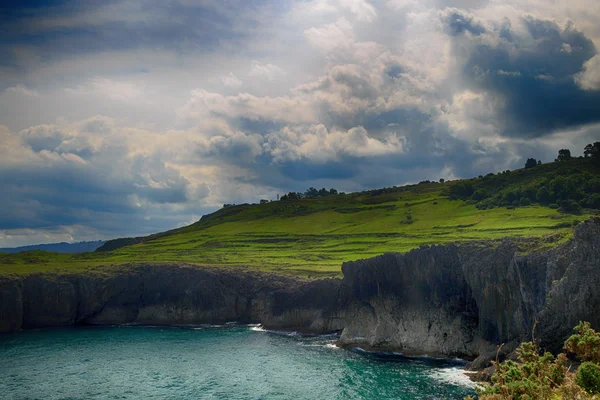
x=313, y=237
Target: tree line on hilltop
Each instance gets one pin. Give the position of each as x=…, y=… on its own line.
x=568, y=189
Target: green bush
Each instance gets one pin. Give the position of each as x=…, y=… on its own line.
x=553, y=206
x=585, y=343
x=542, y=376
x=524, y=201
x=588, y=377
x=570, y=206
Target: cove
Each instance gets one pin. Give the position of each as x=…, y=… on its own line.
x=216, y=362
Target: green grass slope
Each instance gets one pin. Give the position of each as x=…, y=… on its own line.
x=312, y=237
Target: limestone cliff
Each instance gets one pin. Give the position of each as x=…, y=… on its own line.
x=465, y=300
x=169, y=294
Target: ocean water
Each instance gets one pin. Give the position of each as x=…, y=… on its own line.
x=230, y=362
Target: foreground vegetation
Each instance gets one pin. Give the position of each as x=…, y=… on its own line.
x=545, y=377
x=311, y=237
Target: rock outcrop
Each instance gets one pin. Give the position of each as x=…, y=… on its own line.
x=464, y=300
x=448, y=300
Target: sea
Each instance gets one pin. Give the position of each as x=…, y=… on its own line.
x=213, y=362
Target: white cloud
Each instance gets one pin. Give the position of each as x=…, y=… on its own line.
x=589, y=78
x=22, y=90
x=266, y=71
x=231, y=80
x=361, y=10
x=110, y=89
x=330, y=37
x=203, y=104
x=316, y=143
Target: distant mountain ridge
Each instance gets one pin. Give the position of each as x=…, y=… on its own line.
x=62, y=247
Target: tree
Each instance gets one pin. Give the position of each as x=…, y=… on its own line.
x=311, y=193
x=543, y=195
x=264, y=201
x=531, y=162
x=564, y=155
x=442, y=180
x=333, y=192
x=593, y=151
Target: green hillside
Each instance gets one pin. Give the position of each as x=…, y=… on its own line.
x=312, y=237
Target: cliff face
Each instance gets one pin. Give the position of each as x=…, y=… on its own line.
x=416, y=303
x=169, y=295
x=451, y=300
x=465, y=300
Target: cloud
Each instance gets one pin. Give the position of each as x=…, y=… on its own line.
x=231, y=80
x=110, y=89
x=203, y=104
x=532, y=75
x=458, y=23
x=336, y=36
x=68, y=175
x=266, y=71
x=361, y=10
x=22, y=90
x=239, y=147
x=589, y=77
x=317, y=144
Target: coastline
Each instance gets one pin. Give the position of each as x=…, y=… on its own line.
x=440, y=301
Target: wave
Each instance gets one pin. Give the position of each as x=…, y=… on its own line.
x=259, y=328
x=453, y=376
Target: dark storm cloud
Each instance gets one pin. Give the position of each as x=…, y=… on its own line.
x=536, y=78
x=65, y=29
x=458, y=23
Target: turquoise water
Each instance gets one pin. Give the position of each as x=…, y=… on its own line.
x=235, y=362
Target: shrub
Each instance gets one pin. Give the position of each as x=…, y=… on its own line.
x=588, y=377
x=570, y=206
x=553, y=206
x=543, y=376
x=585, y=343
x=536, y=376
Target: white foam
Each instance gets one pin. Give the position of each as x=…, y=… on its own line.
x=453, y=376
x=257, y=328
x=332, y=346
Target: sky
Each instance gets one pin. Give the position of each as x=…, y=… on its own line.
x=124, y=118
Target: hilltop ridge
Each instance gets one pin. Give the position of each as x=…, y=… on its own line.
x=312, y=237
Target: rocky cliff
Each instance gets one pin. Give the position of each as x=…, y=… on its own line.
x=464, y=300
x=169, y=294
x=451, y=300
